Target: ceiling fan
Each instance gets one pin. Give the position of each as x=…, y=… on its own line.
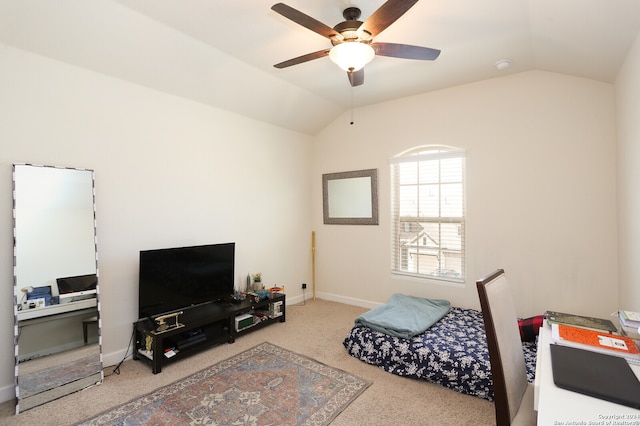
x=352, y=40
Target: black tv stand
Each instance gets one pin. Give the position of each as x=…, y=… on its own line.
x=201, y=327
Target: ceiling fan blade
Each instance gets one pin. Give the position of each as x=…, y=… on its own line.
x=386, y=15
x=303, y=58
x=405, y=51
x=356, y=78
x=305, y=20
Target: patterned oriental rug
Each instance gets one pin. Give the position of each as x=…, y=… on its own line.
x=51, y=378
x=265, y=385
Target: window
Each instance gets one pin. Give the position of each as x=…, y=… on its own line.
x=427, y=197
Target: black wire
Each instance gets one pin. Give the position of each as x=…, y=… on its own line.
x=116, y=369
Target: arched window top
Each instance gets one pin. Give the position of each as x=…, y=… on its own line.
x=428, y=152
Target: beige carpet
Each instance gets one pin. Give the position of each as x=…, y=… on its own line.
x=315, y=329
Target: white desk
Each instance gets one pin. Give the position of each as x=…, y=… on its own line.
x=557, y=406
x=48, y=311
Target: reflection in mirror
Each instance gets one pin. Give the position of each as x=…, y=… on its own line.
x=57, y=318
x=350, y=198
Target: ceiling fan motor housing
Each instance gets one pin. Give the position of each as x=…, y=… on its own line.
x=349, y=28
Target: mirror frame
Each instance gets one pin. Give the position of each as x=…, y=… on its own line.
x=370, y=194
x=95, y=378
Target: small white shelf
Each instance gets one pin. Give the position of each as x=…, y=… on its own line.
x=146, y=354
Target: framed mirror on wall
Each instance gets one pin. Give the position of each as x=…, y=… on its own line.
x=56, y=291
x=350, y=198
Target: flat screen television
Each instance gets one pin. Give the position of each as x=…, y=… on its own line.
x=172, y=279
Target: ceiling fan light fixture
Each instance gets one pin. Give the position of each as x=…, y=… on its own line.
x=351, y=55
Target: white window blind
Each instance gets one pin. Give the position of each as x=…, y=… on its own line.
x=428, y=216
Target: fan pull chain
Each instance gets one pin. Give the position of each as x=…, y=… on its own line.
x=351, y=106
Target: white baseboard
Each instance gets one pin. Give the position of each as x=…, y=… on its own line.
x=347, y=300
x=295, y=300
x=7, y=393
x=114, y=358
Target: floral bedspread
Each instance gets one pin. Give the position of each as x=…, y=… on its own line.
x=452, y=353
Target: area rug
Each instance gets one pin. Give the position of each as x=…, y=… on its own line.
x=265, y=385
x=51, y=378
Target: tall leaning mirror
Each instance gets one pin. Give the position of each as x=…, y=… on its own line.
x=56, y=292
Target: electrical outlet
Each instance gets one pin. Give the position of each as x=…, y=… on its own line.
x=304, y=286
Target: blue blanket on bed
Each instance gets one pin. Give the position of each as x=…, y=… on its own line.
x=404, y=316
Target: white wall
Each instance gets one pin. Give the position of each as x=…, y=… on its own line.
x=628, y=127
x=169, y=172
x=541, y=191
x=172, y=172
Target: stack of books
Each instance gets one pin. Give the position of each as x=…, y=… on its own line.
x=630, y=323
x=591, y=323
x=594, y=334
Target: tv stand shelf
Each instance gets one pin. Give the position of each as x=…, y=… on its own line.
x=202, y=327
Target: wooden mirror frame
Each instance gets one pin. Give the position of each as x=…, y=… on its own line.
x=360, y=188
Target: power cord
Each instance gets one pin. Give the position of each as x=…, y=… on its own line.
x=116, y=369
x=304, y=298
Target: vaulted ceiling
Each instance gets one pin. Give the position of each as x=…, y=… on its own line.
x=222, y=53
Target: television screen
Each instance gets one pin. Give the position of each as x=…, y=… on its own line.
x=172, y=279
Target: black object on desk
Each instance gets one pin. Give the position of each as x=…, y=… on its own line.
x=607, y=377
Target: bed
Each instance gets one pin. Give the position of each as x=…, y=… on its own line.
x=452, y=352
